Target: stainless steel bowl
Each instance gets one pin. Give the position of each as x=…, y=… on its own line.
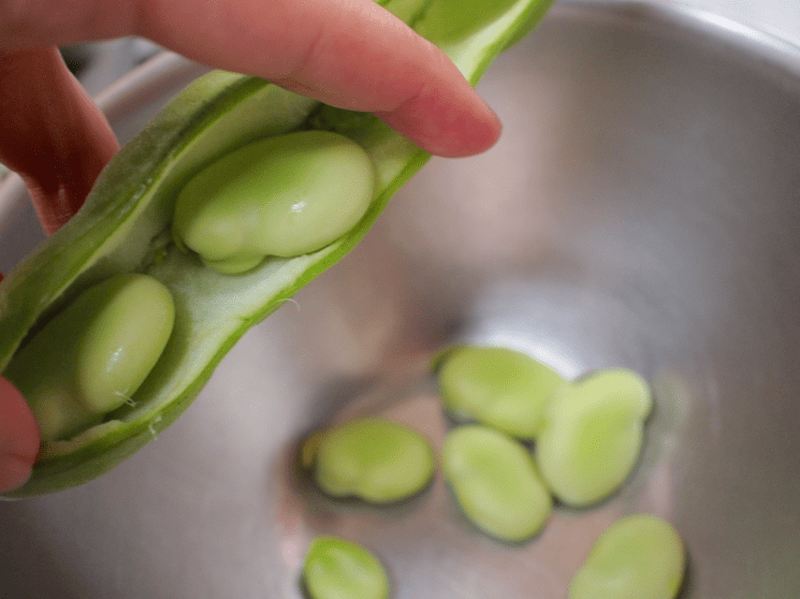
x=641, y=210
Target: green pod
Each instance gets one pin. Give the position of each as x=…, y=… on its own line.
x=126, y=223
x=638, y=557
x=592, y=435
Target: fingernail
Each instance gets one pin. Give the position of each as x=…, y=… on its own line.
x=14, y=472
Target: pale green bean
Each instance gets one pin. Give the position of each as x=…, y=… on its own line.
x=592, y=435
x=93, y=355
x=498, y=387
x=282, y=196
x=374, y=459
x=638, y=557
x=338, y=569
x=496, y=483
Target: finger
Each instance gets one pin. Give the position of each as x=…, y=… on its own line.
x=349, y=53
x=19, y=438
x=53, y=134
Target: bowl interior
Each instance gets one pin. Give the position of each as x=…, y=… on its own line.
x=641, y=210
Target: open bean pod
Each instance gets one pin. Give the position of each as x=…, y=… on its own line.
x=126, y=226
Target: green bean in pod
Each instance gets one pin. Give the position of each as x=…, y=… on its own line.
x=128, y=225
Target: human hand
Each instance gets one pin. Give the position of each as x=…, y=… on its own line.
x=348, y=53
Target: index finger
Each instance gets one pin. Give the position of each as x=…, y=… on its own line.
x=348, y=53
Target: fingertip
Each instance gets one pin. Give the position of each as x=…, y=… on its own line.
x=469, y=136
x=19, y=438
x=451, y=127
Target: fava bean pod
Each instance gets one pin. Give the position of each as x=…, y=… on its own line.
x=129, y=225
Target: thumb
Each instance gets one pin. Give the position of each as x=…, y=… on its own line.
x=19, y=438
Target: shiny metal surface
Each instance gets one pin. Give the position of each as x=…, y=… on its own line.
x=642, y=209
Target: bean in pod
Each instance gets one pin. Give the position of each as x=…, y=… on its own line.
x=128, y=225
x=498, y=387
x=283, y=196
x=374, y=459
x=496, y=482
x=592, y=435
x=638, y=557
x=93, y=356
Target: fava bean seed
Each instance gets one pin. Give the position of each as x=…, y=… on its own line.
x=339, y=569
x=496, y=483
x=638, y=557
x=93, y=356
x=282, y=196
x=374, y=459
x=592, y=434
x=498, y=387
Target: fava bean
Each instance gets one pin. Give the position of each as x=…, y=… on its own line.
x=93, y=355
x=496, y=482
x=338, y=569
x=374, y=459
x=637, y=557
x=498, y=387
x=592, y=434
x=282, y=196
